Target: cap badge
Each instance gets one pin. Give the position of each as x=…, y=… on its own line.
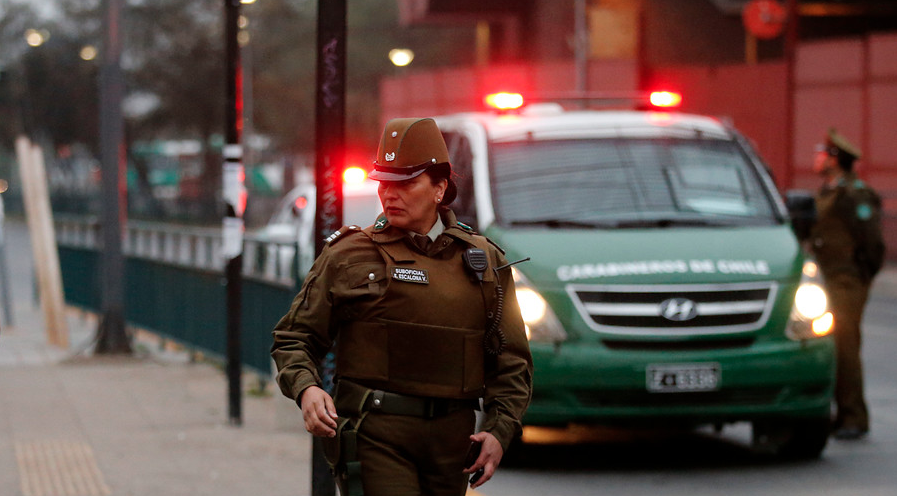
x=390, y=157
x=394, y=134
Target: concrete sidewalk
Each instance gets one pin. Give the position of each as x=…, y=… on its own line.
x=156, y=424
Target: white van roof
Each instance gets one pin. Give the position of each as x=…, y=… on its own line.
x=544, y=121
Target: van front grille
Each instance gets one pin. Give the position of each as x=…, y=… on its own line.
x=674, y=310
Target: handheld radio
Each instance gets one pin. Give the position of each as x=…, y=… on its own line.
x=476, y=261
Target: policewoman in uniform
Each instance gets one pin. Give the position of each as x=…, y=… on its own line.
x=847, y=242
x=423, y=314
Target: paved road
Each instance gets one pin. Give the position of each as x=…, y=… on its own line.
x=703, y=463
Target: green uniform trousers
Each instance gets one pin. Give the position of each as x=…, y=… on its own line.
x=403, y=455
x=847, y=299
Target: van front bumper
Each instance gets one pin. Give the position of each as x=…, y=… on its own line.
x=590, y=383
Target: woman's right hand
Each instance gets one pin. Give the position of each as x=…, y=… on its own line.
x=318, y=412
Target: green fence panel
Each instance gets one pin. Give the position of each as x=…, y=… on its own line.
x=263, y=306
x=181, y=303
x=80, y=277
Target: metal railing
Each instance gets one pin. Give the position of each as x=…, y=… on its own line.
x=186, y=246
x=174, y=284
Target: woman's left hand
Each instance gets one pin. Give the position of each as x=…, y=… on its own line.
x=490, y=457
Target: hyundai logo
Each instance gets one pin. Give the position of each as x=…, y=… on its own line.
x=678, y=309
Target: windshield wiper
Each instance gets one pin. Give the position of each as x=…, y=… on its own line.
x=669, y=222
x=663, y=222
x=561, y=223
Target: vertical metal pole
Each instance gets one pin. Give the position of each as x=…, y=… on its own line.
x=644, y=71
x=791, y=39
x=866, y=111
x=750, y=49
x=234, y=194
x=330, y=120
x=112, y=337
x=483, y=43
x=248, y=101
x=5, y=299
x=581, y=46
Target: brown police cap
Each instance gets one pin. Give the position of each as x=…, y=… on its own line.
x=408, y=147
x=840, y=144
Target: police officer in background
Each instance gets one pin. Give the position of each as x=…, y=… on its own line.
x=426, y=324
x=848, y=246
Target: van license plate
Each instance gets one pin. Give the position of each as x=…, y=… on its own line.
x=683, y=377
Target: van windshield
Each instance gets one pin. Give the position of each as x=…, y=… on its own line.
x=626, y=182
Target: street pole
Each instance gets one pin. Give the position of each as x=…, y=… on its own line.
x=5, y=281
x=581, y=46
x=791, y=39
x=234, y=194
x=111, y=335
x=330, y=120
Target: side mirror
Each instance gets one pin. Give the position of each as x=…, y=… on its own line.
x=802, y=210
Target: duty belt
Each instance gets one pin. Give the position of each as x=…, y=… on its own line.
x=375, y=400
x=416, y=406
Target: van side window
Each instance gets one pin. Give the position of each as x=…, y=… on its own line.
x=461, y=157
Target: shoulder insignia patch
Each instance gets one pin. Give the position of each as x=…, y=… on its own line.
x=465, y=226
x=864, y=211
x=381, y=222
x=340, y=233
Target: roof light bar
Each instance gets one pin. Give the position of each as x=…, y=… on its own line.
x=354, y=175
x=665, y=99
x=504, y=101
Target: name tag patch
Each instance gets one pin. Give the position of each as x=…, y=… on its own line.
x=405, y=274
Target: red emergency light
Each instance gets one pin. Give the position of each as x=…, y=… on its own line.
x=504, y=101
x=665, y=99
x=354, y=175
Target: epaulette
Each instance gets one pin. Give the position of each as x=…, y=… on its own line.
x=499, y=248
x=341, y=233
x=469, y=230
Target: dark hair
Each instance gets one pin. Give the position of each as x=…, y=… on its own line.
x=439, y=172
x=845, y=161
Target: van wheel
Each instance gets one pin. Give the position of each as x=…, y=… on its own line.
x=793, y=439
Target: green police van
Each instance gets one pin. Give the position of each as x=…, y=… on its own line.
x=666, y=282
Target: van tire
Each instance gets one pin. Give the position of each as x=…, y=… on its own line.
x=793, y=439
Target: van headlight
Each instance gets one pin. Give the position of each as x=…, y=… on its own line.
x=810, y=317
x=542, y=325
